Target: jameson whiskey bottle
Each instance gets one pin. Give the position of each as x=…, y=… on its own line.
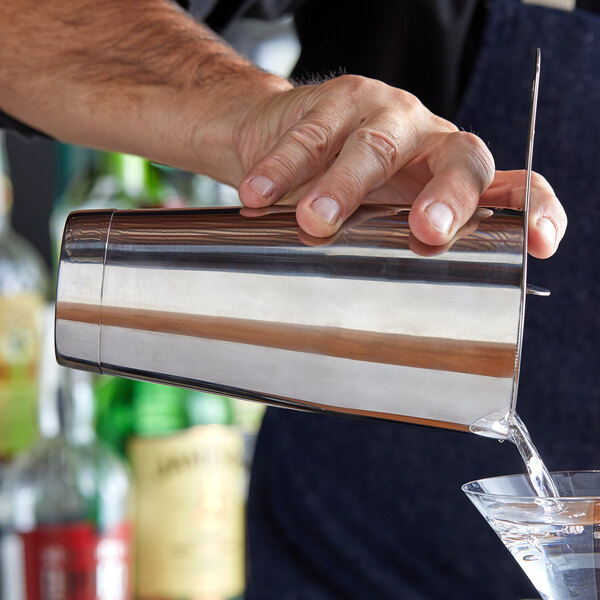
x=190, y=485
x=23, y=286
x=66, y=506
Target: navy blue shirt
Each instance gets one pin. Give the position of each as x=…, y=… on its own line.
x=348, y=509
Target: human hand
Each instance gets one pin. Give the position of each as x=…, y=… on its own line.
x=329, y=148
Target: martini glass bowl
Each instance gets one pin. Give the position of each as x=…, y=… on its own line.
x=556, y=541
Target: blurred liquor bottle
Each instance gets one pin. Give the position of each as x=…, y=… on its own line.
x=109, y=180
x=66, y=509
x=114, y=410
x=23, y=287
x=188, y=464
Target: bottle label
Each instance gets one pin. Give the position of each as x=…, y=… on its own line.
x=190, y=490
x=20, y=333
x=74, y=562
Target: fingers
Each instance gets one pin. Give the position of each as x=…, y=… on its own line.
x=352, y=135
x=547, y=218
x=313, y=124
x=462, y=168
x=373, y=127
x=329, y=148
x=303, y=150
x=364, y=213
x=467, y=229
x=370, y=156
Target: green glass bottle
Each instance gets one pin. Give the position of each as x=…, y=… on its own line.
x=187, y=460
x=114, y=410
x=140, y=183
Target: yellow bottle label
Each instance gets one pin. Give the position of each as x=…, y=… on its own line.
x=190, y=491
x=20, y=335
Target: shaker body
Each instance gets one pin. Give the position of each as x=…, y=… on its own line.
x=369, y=322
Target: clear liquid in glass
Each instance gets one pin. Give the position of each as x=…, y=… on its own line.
x=554, y=532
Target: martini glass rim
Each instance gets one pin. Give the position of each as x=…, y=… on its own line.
x=532, y=496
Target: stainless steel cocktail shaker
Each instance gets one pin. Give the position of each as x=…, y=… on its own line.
x=367, y=323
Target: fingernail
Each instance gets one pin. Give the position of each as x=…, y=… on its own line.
x=440, y=216
x=327, y=209
x=261, y=185
x=547, y=229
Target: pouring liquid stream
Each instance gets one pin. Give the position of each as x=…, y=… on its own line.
x=539, y=475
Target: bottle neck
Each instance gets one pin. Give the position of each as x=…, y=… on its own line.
x=138, y=180
x=158, y=409
x=71, y=415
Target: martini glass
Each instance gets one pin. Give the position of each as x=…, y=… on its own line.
x=556, y=541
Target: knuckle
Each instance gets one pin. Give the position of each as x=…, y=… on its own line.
x=352, y=83
x=382, y=146
x=312, y=139
x=353, y=89
x=442, y=124
x=282, y=166
x=480, y=157
x=410, y=103
x=408, y=108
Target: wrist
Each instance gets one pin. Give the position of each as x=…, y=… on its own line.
x=215, y=133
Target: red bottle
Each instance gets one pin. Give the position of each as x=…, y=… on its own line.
x=65, y=506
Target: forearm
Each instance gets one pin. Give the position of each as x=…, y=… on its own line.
x=138, y=77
